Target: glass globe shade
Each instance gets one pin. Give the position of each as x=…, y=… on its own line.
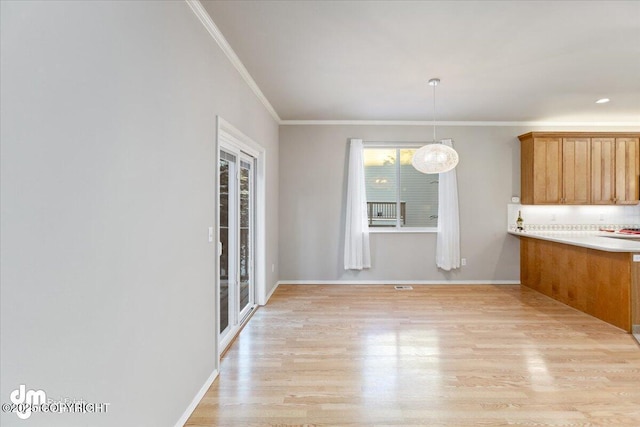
x=435, y=158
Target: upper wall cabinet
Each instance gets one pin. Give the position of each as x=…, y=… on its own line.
x=541, y=169
x=576, y=172
x=555, y=169
x=579, y=168
x=615, y=171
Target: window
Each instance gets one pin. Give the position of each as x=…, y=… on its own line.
x=398, y=196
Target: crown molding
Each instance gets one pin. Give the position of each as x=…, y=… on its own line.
x=214, y=31
x=450, y=123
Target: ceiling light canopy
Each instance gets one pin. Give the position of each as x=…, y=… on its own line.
x=435, y=157
x=602, y=101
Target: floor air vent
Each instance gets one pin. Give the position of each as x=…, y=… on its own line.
x=403, y=288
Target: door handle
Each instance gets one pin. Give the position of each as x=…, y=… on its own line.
x=219, y=248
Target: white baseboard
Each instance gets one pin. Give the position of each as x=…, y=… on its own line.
x=398, y=282
x=192, y=406
x=271, y=293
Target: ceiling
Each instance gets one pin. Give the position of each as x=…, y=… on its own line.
x=513, y=61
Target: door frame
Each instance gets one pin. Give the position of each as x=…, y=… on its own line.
x=229, y=135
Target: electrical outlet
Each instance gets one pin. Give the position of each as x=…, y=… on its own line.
x=273, y=268
x=463, y=261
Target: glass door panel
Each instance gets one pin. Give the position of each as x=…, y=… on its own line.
x=246, y=245
x=227, y=258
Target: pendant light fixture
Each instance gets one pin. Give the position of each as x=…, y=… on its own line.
x=435, y=157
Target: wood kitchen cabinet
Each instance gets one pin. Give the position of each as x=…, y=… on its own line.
x=579, y=168
x=555, y=170
x=616, y=172
x=576, y=171
x=603, y=284
x=541, y=163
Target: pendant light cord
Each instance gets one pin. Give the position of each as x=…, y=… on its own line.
x=434, y=112
x=434, y=83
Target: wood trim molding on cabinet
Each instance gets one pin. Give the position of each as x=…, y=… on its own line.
x=555, y=134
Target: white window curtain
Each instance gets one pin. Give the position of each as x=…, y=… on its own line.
x=448, y=241
x=357, y=254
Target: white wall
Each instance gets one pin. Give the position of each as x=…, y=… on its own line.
x=108, y=184
x=312, y=197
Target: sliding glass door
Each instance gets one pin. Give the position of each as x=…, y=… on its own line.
x=237, y=218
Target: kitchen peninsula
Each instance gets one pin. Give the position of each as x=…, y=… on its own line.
x=595, y=272
x=590, y=271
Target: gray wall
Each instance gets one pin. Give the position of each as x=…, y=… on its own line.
x=108, y=186
x=313, y=166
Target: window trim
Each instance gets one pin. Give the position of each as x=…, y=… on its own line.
x=389, y=230
x=398, y=145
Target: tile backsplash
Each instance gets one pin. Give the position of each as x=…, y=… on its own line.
x=573, y=217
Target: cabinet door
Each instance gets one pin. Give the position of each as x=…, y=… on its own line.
x=576, y=171
x=603, y=169
x=547, y=171
x=627, y=171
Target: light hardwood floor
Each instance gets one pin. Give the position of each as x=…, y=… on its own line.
x=434, y=356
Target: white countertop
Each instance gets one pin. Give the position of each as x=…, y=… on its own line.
x=586, y=239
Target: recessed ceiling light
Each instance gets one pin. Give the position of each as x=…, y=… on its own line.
x=602, y=101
